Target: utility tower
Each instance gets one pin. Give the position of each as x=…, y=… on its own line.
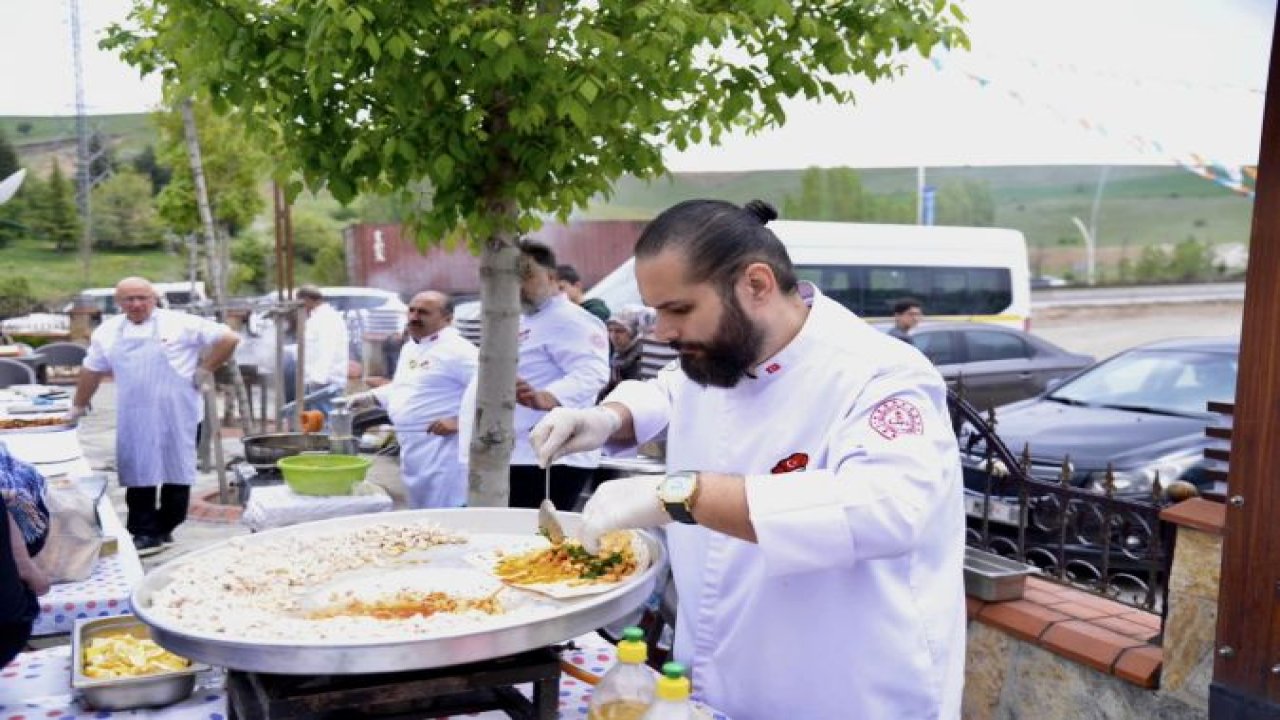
x=84, y=181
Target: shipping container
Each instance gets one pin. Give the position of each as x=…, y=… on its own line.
x=384, y=256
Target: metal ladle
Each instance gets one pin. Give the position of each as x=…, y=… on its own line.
x=548, y=523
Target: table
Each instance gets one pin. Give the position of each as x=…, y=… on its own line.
x=38, y=685
x=272, y=506
x=60, y=459
x=105, y=593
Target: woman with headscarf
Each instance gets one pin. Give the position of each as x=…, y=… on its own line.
x=626, y=328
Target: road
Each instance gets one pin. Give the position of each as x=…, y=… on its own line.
x=1103, y=331
x=1193, y=293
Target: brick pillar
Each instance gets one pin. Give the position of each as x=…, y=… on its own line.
x=1193, y=601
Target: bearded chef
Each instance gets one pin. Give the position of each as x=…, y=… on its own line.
x=155, y=356
x=813, y=507
x=436, y=364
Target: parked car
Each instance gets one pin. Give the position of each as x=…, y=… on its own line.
x=175, y=295
x=996, y=364
x=1143, y=411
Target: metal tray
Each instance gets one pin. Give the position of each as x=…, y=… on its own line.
x=992, y=577
x=60, y=427
x=301, y=656
x=125, y=693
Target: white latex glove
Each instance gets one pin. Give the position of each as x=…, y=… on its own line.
x=565, y=431
x=361, y=399
x=622, y=504
x=76, y=412
x=202, y=379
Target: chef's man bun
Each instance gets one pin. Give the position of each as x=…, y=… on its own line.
x=762, y=210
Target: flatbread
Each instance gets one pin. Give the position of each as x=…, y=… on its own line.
x=488, y=561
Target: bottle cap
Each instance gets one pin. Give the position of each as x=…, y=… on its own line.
x=632, y=648
x=673, y=685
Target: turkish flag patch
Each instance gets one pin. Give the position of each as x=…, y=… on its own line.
x=795, y=462
x=896, y=417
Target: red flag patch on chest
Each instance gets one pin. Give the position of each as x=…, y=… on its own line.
x=896, y=417
x=795, y=462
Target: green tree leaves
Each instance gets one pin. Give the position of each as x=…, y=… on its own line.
x=506, y=101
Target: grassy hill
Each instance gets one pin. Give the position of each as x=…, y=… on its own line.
x=1141, y=205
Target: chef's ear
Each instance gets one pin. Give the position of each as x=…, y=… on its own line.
x=759, y=280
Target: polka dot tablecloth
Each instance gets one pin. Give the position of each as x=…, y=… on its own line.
x=104, y=593
x=37, y=686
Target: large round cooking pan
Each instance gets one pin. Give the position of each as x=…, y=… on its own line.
x=304, y=656
x=266, y=449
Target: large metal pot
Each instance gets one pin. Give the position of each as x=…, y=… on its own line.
x=262, y=451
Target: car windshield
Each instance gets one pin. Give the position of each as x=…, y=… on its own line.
x=1175, y=382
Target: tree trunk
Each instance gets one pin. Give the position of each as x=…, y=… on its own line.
x=494, y=437
x=216, y=257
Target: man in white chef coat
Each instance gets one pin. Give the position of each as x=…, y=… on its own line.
x=563, y=362
x=818, y=541
x=326, y=351
x=436, y=364
x=155, y=356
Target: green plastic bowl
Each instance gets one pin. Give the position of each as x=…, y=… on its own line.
x=323, y=474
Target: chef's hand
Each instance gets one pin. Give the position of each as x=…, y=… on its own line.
x=202, y=379
x=622, y=504
x=76, y=412
x=565, y=431
x=444, y=426
x=361, y=399
x=531, y=397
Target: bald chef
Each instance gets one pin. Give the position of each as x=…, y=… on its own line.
x=436, y=365
x=155, y=356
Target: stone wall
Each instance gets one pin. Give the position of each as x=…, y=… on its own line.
x=1060, y=654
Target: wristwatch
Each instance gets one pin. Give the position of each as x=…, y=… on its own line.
x=676, y=493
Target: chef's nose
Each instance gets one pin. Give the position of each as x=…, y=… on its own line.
x=664, y=328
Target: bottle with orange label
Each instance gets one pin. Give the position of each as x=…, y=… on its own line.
x=625, y=692
x=672, y=701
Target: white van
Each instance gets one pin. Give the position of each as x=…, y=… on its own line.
x=973, y=274
x=957, y=273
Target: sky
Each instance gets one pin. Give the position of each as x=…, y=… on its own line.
x=1047, y=81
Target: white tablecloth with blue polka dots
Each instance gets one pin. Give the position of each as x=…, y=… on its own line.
x=37, y=685
x=103, y=594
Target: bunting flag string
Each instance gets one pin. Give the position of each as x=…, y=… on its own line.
x=1240, y=179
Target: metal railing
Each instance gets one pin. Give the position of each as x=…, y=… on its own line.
x=1116, y=547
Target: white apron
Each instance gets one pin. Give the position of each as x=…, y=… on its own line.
x=426, y=388
x=157, y=412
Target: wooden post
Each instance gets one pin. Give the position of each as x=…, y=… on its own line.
x=1246, y=671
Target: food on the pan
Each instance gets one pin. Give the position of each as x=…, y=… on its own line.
x=407, y=604
x=338, y=586
x=119, y=655
x=24, y=423
x=569, y=562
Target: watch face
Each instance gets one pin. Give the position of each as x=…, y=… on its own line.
x=676, y=488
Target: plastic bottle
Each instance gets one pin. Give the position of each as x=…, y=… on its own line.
x=672, y=702
x=626, y=691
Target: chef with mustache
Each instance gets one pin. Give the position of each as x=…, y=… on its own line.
x=436, y=365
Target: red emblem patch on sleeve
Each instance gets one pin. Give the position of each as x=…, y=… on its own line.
x=896, y=417
x=795, y=462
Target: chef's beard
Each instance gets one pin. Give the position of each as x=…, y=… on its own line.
x=729, y=355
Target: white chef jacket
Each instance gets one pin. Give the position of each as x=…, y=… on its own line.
x=183, y=336
x=327, y=342
x=851, y=605
x=564, y=350
x=429, y=380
